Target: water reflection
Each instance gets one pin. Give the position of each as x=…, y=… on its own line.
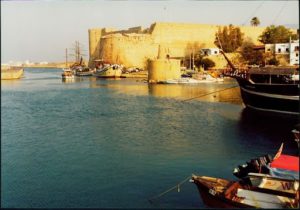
x=271, y=127
x=69, y=80
x=217, y=92
x=13, y=82
x=206, y=92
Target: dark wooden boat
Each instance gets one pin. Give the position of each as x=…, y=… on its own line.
x=271, y=89
x=222, y=193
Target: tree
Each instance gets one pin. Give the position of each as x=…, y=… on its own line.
x=277, y=34
x=202, y=61
x=255, y=21
x=250, y=55
x=207, y=63
x=230, y=38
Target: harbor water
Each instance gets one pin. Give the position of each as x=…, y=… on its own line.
x=96, y=143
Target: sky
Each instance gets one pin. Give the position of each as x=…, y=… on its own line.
x=41, y=30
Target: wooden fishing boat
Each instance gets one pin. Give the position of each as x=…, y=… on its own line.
x=83, y=72
x=270, y=89
x=282, y=165
x=222, y=193
x=265, y=181
x=109, y=71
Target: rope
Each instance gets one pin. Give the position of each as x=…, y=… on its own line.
x=278, y=14
x=170, y=189
x=208, y=93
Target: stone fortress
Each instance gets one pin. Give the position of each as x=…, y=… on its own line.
x=135, y=46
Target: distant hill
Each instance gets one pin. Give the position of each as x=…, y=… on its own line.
x=293, y=26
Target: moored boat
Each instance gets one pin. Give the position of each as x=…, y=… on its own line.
x=222, y=193
x=83, y=72
x=269, y=89
x=109, y=71
x=188, y=80
x=268, y=182
x=67, y=74
x=282, y=165
x=207, y=78
x=184, y=80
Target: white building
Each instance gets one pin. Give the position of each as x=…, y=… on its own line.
x=294, y=52
x=210, y=51
x=291, y=49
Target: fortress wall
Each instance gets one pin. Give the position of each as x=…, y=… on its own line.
x=128, y=50
x=202, y=33
x=133, y=47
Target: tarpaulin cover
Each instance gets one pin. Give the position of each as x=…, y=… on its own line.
x=286, y=162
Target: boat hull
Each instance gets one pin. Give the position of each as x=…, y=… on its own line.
x=221, y=193
x=216, y=201
x=84, y=74
x=109, y=73
x=270, y=97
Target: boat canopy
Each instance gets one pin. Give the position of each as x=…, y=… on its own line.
x=286, y=162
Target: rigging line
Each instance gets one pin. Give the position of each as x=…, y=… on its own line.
x=170, y=189
x=209, y=93
x=253, y=13
x=279, y=13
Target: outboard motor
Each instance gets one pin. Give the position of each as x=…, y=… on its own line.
x=258, y=165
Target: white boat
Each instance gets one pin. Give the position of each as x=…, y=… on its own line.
x=263, y=200
x=67, y=74
x=265, y=181
x=187, y=80
x=109, y=71
x=181, y=81
x=207, y=78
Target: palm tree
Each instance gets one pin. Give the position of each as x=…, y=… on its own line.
x=255, y=21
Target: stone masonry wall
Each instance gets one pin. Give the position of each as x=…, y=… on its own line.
x=135, y=46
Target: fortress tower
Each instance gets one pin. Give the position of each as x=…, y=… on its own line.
x=94, y=44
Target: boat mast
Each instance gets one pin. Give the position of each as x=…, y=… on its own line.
x=193, y=59
x=66, y=57
x=227, y=59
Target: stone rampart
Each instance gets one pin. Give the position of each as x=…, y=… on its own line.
x=135, y=46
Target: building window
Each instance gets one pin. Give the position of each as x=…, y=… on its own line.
x=279, y=50
x=296, y=48
x=297, y=54
x=216, y=52
x=269, y=49
x=287, y=49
